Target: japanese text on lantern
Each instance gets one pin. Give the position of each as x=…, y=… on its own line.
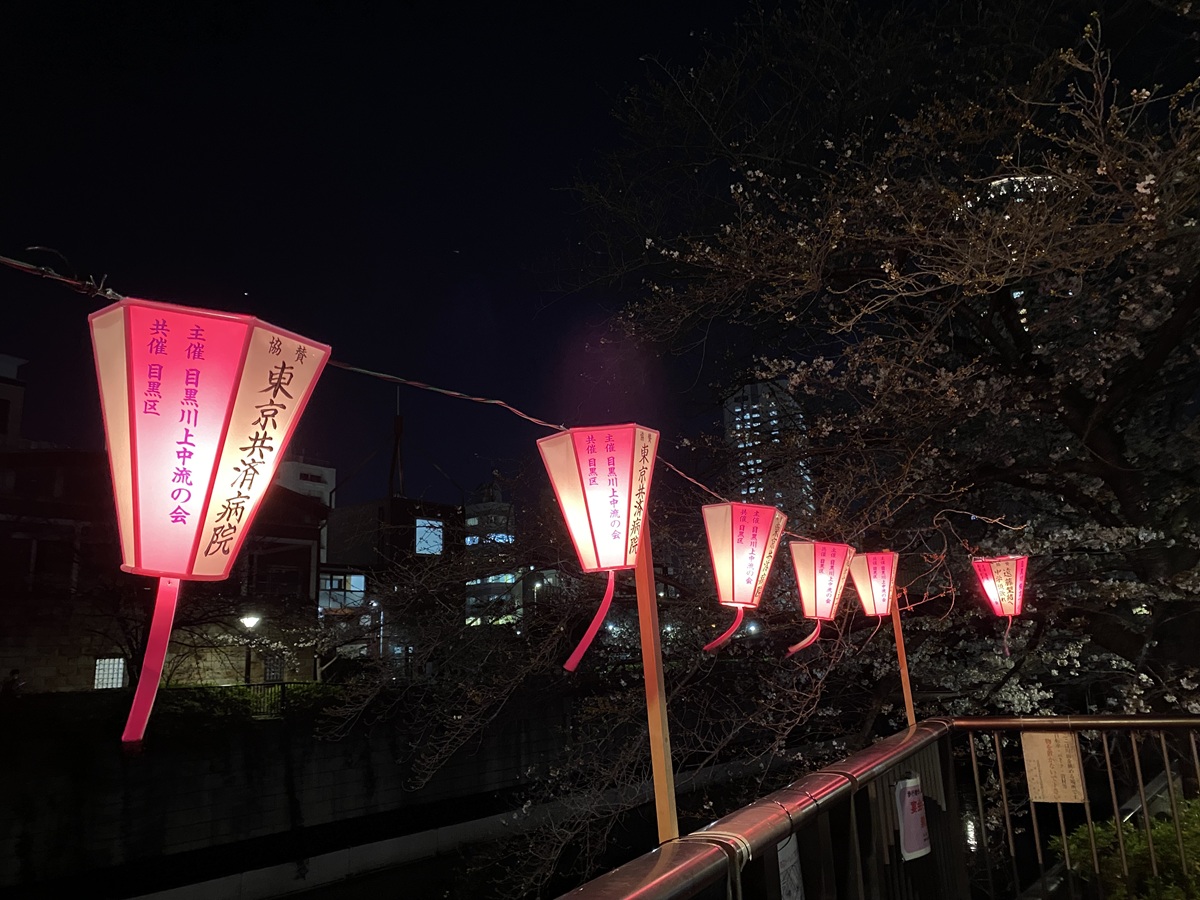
x=749, y=524
x=164, y=365
x=189, y=422
x=770, y=546
x=259, y=442
x=641, y=480
x=275, y=380
x=614, y=495
x=825, y=578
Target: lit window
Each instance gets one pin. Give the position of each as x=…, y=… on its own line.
x=429, y=537
x=472, y=539
x=110, y=673
x=499, y=538
x=473, y=520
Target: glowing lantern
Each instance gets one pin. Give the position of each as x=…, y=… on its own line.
x=601, y=478
x=874, y=577
x=742, y=540
x=1003, y=581
x=821, y=571
x=198, y=409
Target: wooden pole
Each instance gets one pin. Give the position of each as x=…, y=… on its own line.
x=902, y=659
x=656, y=696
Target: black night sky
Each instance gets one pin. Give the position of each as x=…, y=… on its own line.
x=386, y=178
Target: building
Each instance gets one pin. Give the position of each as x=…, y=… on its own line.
x=759, y=417
x=77, y=622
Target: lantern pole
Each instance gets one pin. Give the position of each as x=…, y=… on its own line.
x=656, y=698
x=902, y=660
x=152, y=662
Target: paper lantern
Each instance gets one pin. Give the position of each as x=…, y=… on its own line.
x=874, y=577
x=1003, y=581
x=821, y=572
x=601, y=478
x=198, y=410
x=742, y=540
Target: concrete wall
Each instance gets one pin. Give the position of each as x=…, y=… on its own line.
x=74, y=805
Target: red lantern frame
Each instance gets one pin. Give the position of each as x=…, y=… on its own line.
x=821, y=571
x=601, y=478
x=743, y=539
x=874, y=577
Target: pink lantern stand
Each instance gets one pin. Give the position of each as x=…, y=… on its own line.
x=742, y=540
x=198, y=410
x=601, y=478
x=821, y=571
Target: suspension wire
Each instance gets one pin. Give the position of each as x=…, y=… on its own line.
x=90, y=287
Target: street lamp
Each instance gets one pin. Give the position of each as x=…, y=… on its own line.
x=198, y=409
x=248, y=622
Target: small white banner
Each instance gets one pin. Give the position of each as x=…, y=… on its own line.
x=1052, y=767
x=910, y=816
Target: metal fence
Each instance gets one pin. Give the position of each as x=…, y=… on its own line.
x=835, y=832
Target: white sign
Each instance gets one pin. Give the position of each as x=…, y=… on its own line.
x=1052, y=767
x=910, y=816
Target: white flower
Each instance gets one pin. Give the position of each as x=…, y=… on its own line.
x=1143, y=186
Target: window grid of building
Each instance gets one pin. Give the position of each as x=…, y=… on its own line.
x=110, y=673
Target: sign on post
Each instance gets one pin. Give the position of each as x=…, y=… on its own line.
x=1052, y=767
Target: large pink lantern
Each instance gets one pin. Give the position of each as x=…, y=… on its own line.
x=742, y=540
x=198, y=410
x=1003, y=581
x=601, y=477
x=874, y=577
x=821, y=571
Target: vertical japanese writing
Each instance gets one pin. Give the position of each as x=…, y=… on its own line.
x=641, y=483
x=252, y=469
x=614, y=498
x=189, y=422
x=153, y=390
x=752, y=528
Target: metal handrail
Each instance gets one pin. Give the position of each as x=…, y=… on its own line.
x=735, y=839
x=685, y=867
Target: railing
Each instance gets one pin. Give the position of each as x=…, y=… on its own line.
x=267, y=700
x=834, y=833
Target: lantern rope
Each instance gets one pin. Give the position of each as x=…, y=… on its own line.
x=88, y=286
x=93, y=289
x=396, y=379
x=590, y=635
x=723, y=639
x=807, y=642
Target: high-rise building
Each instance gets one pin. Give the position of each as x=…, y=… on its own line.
x=758, y=416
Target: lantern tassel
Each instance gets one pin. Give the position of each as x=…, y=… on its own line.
x=571, y=664
x=807, y=642
x=152, y=662
x=1006, y=631
x=737, y=621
